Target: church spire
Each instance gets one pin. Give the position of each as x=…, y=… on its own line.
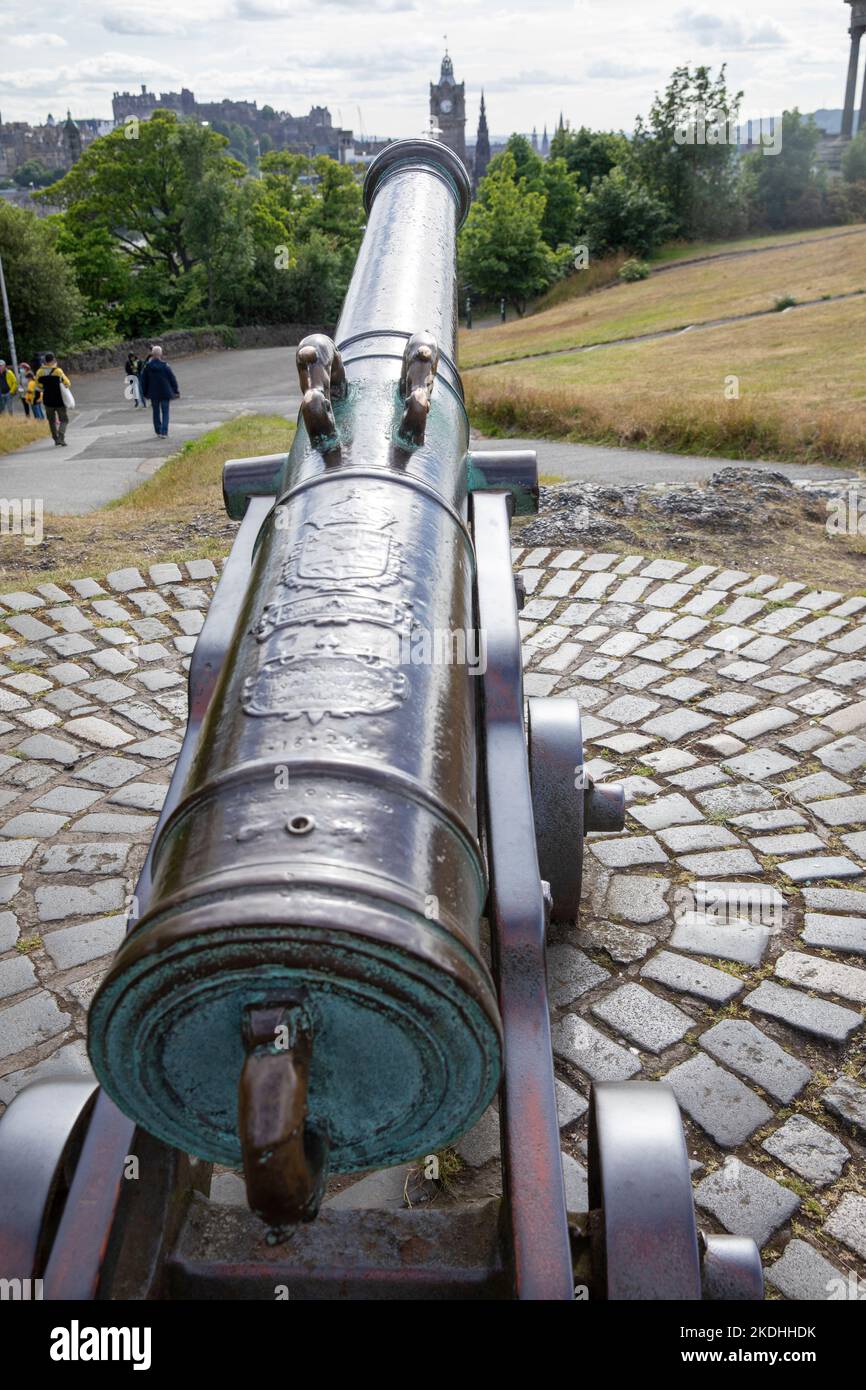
x=482, y=147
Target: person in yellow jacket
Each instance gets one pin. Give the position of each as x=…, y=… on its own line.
x=8, y=387
x=33, y=396
x=50, y=378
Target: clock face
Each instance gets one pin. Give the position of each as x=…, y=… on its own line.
x=445, y=106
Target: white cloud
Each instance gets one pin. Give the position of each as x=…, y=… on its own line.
x=35, y=41
x=718, y=30
x=142, y=24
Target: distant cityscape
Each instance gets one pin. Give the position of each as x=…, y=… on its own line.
x=254, y=130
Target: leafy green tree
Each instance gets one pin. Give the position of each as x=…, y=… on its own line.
x=784, y=190
x=619, y=215
x=551, y=178
x=685, y=153
x=142, y=189
x=590, y=154
x=103, y=275
x=562, y=209
x=502, y=247
x=44, y=300
x=33, y=171
x=854, y=159
x=528, y=165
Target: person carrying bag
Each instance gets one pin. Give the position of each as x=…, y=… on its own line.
x=57, y=397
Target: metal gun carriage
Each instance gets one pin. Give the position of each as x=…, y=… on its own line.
x=303, y=987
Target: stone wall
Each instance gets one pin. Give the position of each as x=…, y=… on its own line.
x=183, y=343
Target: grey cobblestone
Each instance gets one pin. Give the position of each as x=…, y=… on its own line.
x=692, y=977
x=802, y=1274
x=815, y=1016
x=32, y=1021
x=847, y=1100
x=835, y=933
x=69, y=946
x=745, y=1049
x=643, y=1017
x=741, y=941
x=809, y=1150
x=746, y=1201
x=717, y=1101
x=571, y=973
x=848, y=1223
x=826, y=976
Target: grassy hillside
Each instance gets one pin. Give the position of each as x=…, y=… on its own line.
x=801, y=375
x=677, y=298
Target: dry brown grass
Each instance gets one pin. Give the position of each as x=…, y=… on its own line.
x=802, y=385
x=699, y=293
x=16, y=431
x=176, y=515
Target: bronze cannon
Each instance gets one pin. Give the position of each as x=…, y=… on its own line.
x=305, y=988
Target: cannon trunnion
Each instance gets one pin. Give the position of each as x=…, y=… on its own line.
x=303, y=989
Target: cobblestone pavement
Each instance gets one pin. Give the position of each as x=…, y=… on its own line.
x=723, y=935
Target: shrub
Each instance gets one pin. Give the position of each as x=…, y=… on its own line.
x=634, y=270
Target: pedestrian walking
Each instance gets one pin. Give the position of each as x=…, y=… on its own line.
x=159, y=386
x=8, y=387
x=33, y=397
x=57, y=397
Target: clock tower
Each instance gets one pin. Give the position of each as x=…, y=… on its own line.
x=448, y=108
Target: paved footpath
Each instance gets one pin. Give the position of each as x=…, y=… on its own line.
x=112, y=447
x=111, y=444
x=723, y=934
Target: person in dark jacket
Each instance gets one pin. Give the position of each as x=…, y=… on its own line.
x=159, y=386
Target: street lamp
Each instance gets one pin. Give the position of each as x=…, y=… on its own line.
x=8, y=317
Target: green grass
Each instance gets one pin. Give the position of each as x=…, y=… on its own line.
x=690, y=295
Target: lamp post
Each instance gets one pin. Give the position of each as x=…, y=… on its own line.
x=8, y=317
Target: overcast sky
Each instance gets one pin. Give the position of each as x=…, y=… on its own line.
x=599, y=61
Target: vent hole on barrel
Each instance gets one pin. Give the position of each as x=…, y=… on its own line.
x=300, y=825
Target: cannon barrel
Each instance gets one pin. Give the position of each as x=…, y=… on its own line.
x=306, y=978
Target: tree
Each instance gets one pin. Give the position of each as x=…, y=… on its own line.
x=141, y=189
x=551, y=178
x=589, y=154
x=103, y=275
x=528, y=165
x=685, y=154
x=561, y=188
x=44, y=300
x=33, y=171
x=783, y=190
x=854, y=159
x=619, y=215
x=502, y=249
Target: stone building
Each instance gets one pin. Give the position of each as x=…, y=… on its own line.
x=313, y=134
x=57, y=145
x=448, y=108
